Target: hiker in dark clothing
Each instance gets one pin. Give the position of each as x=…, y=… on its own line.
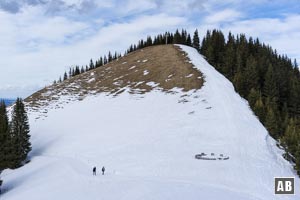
x=94, y=171
x=103, y=170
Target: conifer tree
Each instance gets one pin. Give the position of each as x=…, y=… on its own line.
x=104, y=60
x=183, y=37
x=130, y=49
x=65, y=76
x=92, y=66
x=290, y=137
x=82, y=70
x=272, y=118
x=297, y=159
x=20, y=133
x=271, y=122
x=196, y=40
x=294, y=96
x=259, y=109
x=77, y=70
x=149, y=41
x=177, y=37
x=250, y=74
x=253, y=97
x=4, y=137
x=213, y=47
x=189, y=40
x=270, y=86
x=3, y=117
x=238, y=81
x=109, y=57
x=229, y=57
x=70, y=73
x=286, y=119
x=100, y=61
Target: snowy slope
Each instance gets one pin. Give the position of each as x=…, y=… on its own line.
x=148, y=142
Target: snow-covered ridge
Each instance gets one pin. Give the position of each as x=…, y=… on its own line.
x=148, y=146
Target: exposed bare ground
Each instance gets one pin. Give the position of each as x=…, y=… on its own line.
x=163, y=66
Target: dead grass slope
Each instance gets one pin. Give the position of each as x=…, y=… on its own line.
x=163, y=66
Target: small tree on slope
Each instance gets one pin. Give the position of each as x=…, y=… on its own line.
x=4, y=139
x=20, y=133
x=196, y=40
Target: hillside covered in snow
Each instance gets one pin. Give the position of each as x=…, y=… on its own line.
x=146, y=132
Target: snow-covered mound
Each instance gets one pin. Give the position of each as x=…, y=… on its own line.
x=148, y=143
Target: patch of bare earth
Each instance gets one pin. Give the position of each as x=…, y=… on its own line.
x=163, y=66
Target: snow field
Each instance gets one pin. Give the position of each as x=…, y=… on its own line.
x=148, y=147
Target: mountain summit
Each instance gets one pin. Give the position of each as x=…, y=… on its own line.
x=139, y=72
x=163, y=122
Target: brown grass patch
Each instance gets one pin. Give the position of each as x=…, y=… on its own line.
x=165, y=65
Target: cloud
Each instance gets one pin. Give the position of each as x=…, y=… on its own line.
x=87, y=5
x=14, y=6
x=29, y=29
x=137, y=6
x=227, y=15
x=50, y=6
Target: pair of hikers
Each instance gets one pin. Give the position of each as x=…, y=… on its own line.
x=95, y=171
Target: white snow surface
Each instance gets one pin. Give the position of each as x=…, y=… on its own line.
x=148, y=147
x=146, y=72
x=190, y=75
x=132, y=67
x=91, y=80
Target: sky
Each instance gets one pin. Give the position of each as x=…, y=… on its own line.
x=41, y=39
